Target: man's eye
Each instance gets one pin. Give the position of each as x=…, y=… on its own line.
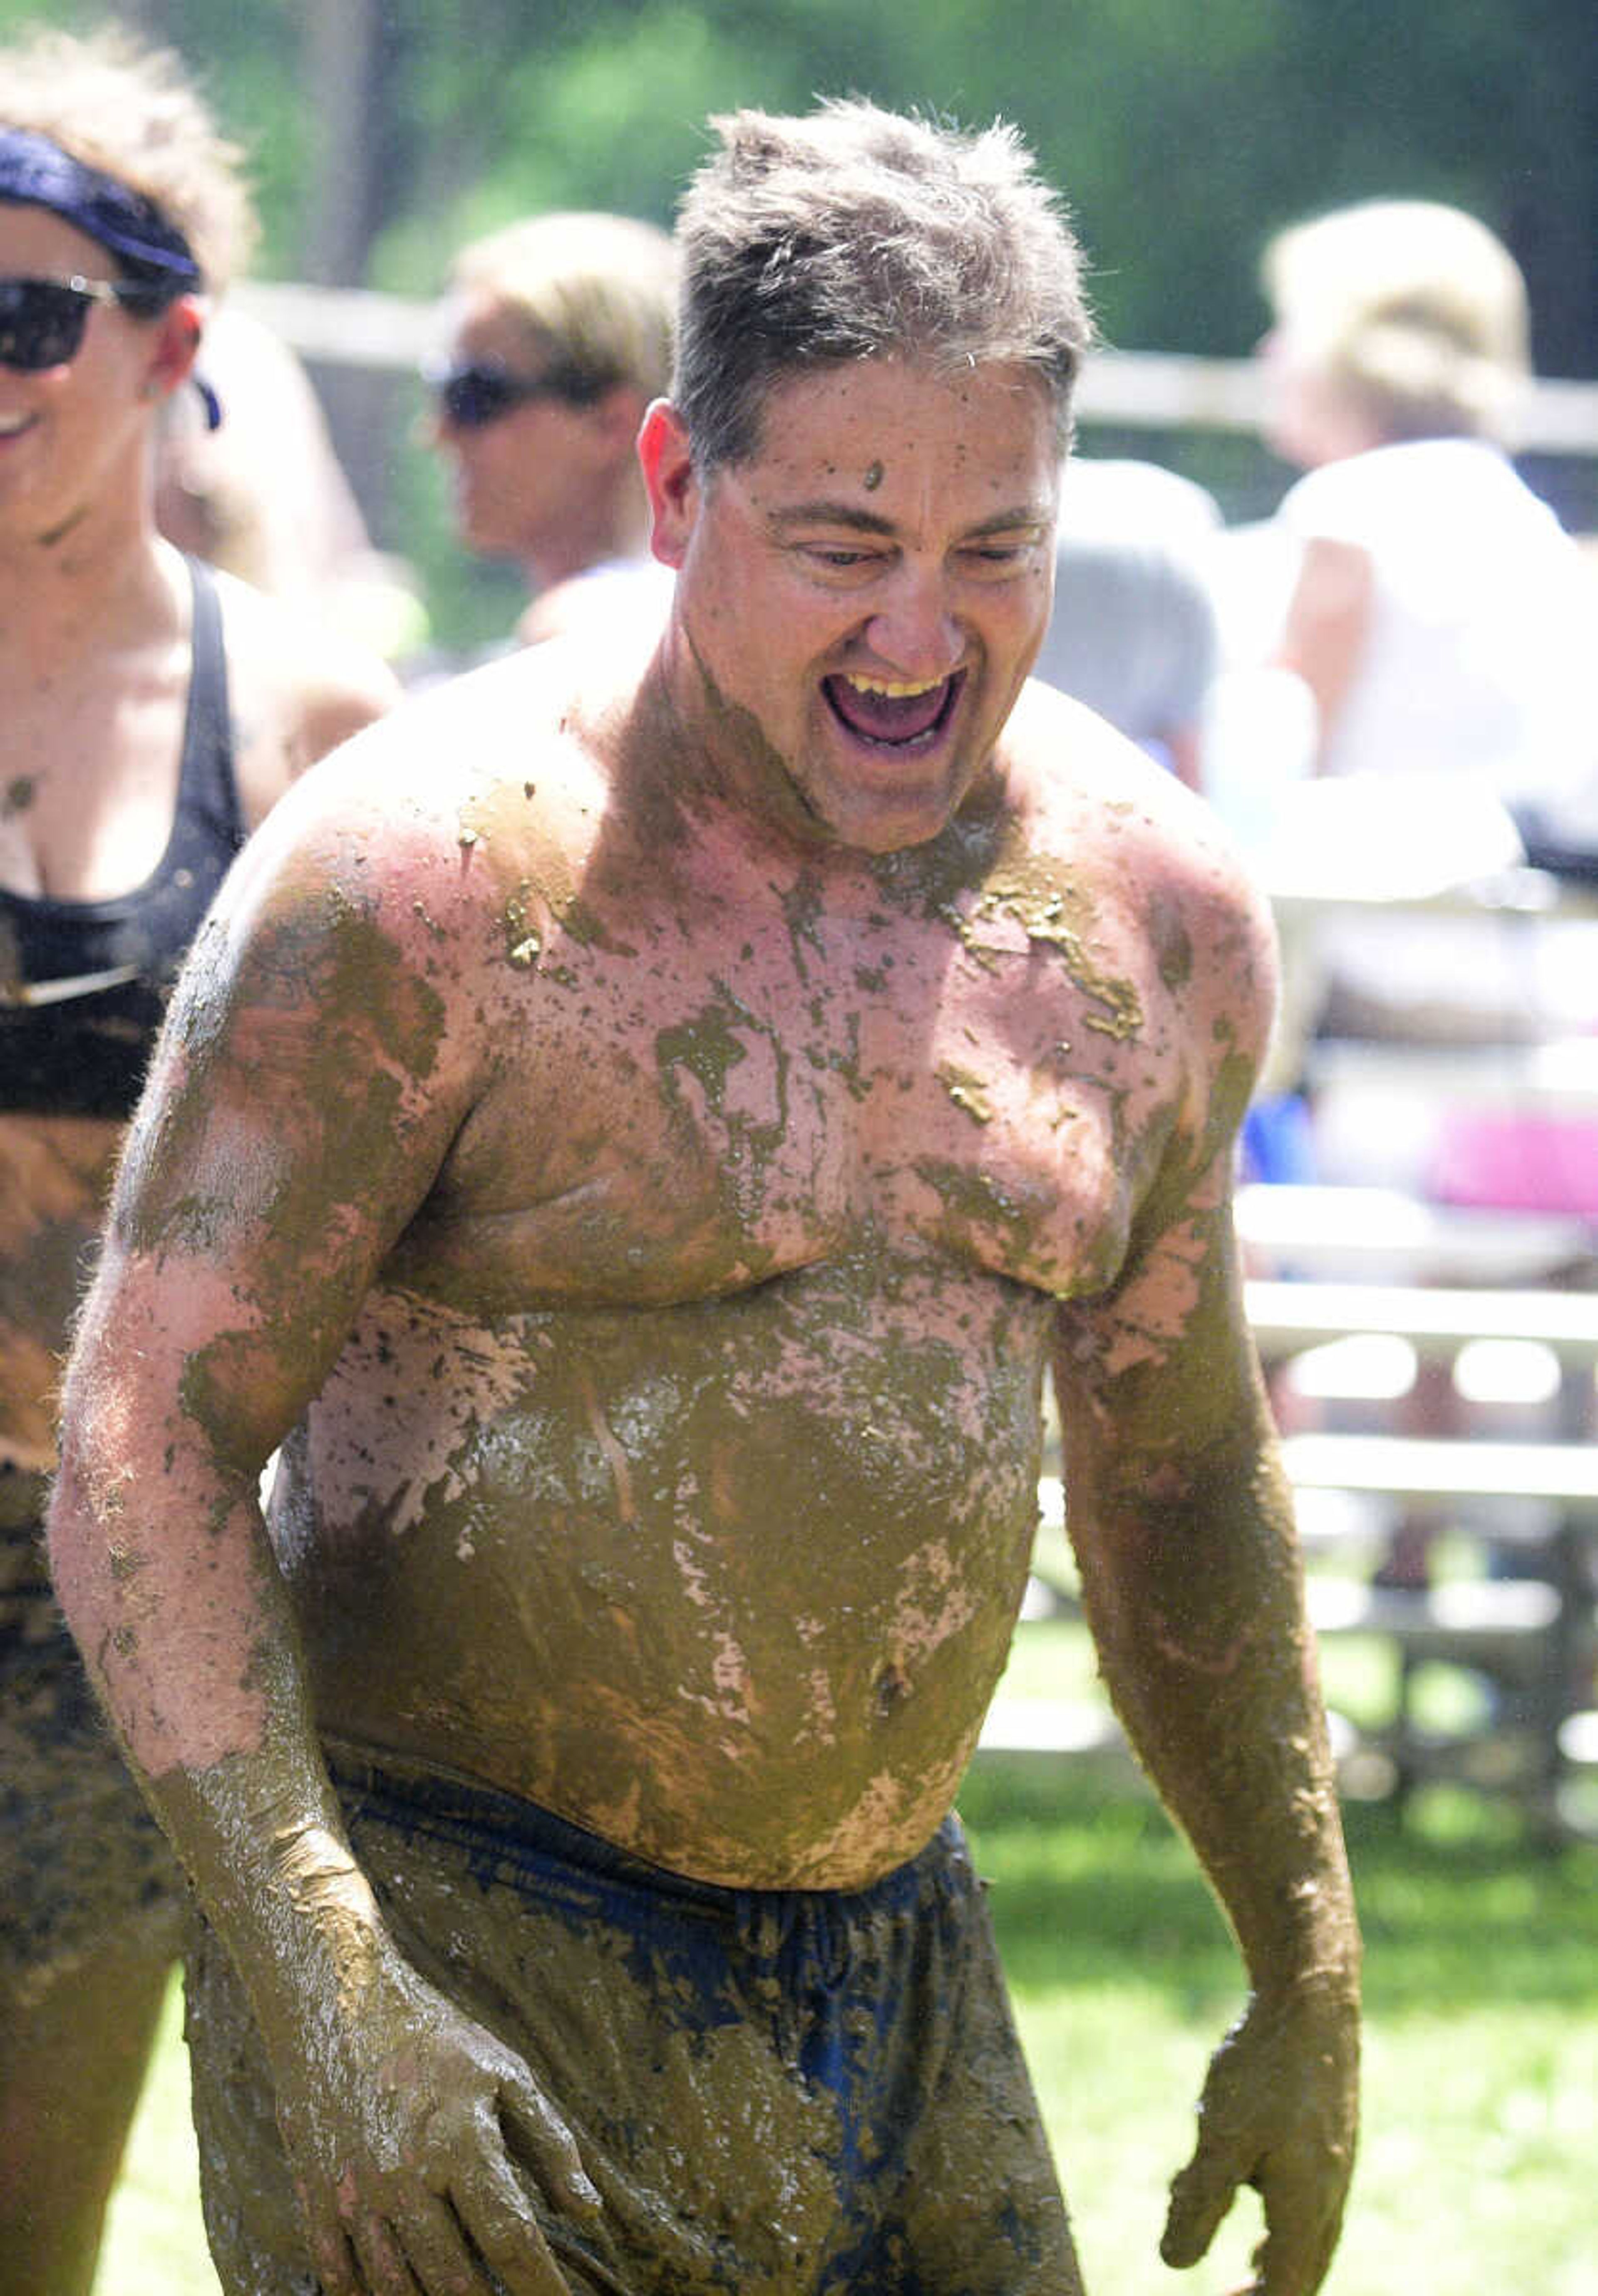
x=840, y=556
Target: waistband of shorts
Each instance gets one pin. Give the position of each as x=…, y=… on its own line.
x=401, y=1792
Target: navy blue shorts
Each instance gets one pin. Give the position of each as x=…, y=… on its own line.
x=780, y=2093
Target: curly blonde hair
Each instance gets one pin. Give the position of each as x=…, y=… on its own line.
x=133, y=112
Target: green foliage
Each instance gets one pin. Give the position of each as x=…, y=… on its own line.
x=1181, y=136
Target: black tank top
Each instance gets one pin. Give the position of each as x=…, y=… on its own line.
x=83, y=984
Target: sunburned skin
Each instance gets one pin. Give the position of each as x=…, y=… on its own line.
x=532, y=1526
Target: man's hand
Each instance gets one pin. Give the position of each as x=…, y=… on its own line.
x=1279, y=2112
x=413, y=2136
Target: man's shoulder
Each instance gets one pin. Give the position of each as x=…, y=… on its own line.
x=1131, y=837
x=477, y=779
x=1080, y=779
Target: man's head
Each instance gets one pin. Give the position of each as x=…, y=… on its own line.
x=559, y=336
x=854, y=233
x=858, y=476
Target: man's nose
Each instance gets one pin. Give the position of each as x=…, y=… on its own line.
x=914, y=630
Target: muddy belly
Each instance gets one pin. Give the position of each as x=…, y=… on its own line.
x=739, y=1609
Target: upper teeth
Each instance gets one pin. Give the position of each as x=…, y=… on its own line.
x=10, y=422
x=895, y=688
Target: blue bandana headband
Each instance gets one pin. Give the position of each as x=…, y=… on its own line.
x=37, y=173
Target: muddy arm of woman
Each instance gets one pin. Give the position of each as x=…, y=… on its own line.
x=1182, y=1524
x=301, y=1104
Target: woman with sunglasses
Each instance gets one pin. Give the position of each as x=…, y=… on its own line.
x=152, y=712
x=559, y=333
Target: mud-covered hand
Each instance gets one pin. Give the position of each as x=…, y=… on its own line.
x=1279, y=2112
x=415, y=2138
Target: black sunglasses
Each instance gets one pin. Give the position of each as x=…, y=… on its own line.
x=42, y=320
x=482, y=391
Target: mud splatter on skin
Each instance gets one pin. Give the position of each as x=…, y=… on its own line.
x=803, y=905
x=523, y=940
x=583, y=925
x=966, y=1091
x=379, y=1027
x=1065, y=919
x=934, y=880
x=744, y=1425
x=710, y=1049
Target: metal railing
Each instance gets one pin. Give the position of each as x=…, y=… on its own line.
x=1166, y=390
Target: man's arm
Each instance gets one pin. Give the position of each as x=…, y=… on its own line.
x=314, y=1072
x=1183, y=1525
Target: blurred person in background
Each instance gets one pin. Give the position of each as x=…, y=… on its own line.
x=153, y=714
x=1435, y=618
x=1436, y=615
x=264, y=495
x=559, y=336
x=1133, y=630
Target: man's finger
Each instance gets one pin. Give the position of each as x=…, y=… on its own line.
x=1293, y=2261
x=1201, y=2194
x=499, y=2221
x=384, y=2268
x=438, y=2252
x=337, y=2272
x=543, y=2140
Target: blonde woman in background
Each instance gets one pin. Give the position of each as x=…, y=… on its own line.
x=1438, y=615
x=558, y=334
x=1435, y=591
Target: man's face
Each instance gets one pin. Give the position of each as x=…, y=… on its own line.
x=864, y=596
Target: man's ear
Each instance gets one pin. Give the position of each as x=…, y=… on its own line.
x=671, y=482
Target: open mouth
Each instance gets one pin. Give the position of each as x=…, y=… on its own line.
x=895, y=713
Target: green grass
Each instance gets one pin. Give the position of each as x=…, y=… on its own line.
x=1481, y=2093
x=1481, y=2089
x=154, y=2243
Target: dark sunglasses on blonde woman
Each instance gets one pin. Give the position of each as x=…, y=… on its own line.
x=42, y=320
x=482, y=391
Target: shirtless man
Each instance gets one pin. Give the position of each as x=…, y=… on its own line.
x=638, y=1134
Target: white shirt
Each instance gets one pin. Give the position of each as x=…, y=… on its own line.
x=1475, y=661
